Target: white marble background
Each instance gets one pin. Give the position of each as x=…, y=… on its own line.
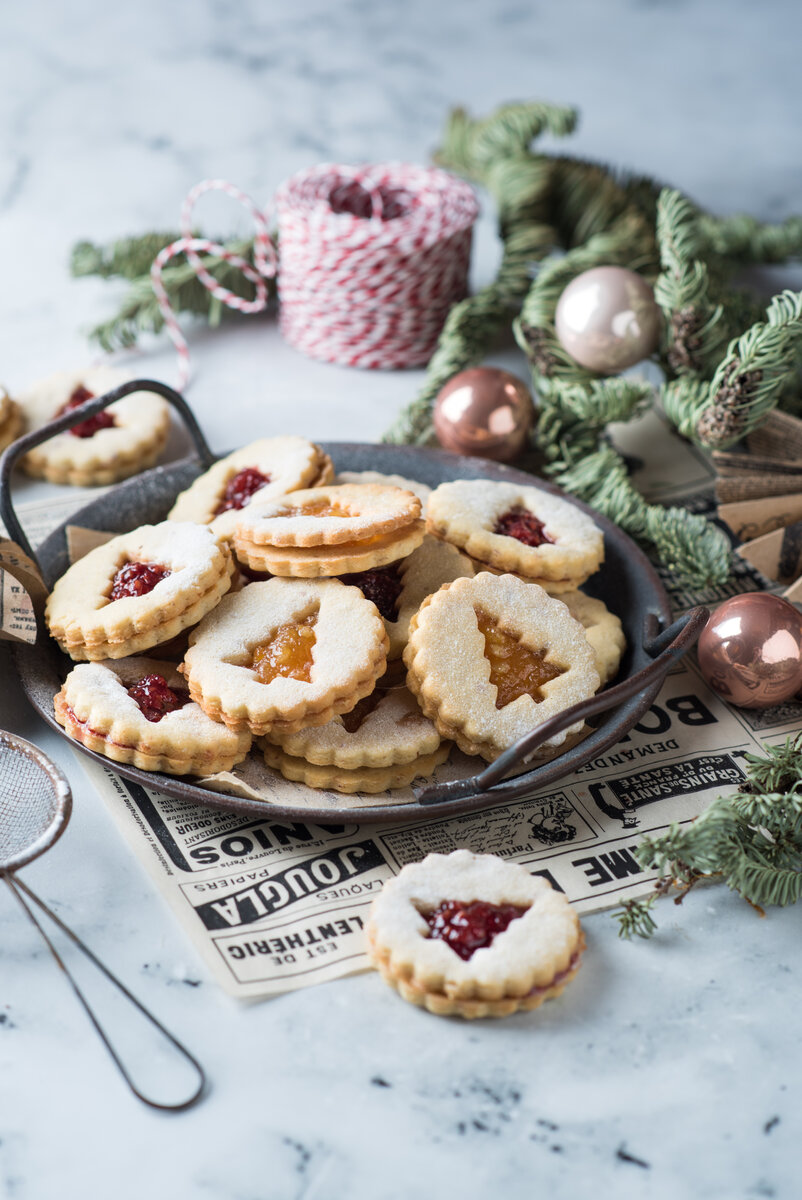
x=668, y=1069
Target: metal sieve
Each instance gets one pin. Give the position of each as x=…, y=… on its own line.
x=35, y=806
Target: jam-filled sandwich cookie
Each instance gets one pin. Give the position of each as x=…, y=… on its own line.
x=122, y=440
x=602, y=629
x=521, y=530
x=286, y=653
x=138, y=590
x=522, y=658
x=138, y=711
x=383, y=743
x=262, y=470
x=10, y=419
x=329, y=531
x=471, y=935
x=399, y=589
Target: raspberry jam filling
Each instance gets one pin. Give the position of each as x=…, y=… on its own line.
x=289, y=652
x=467, y=928
x=92, y=425
x=382, y=585
x=240, y=488
x=515, y=669
x=521, y=524
x=155, y=699
x=137, y=579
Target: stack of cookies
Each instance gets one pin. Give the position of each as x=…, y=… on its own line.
x=298, y=591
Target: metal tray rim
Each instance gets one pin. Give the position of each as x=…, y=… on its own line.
x=404, y=460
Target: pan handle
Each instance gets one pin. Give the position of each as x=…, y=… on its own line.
x=664, y=646
x=74, y=417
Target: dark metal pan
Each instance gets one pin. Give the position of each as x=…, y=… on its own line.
x=627, y=583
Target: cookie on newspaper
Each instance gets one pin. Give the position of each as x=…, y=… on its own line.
x=471, y=935
x=329, y=531
x=122, y=440
x=286, y=653
x=10, y=420
x=138, y=590
x=138, y=711
x=602, y=629
x=264, y=469
x=523, y=530
x=399, y=589
x=520, y=658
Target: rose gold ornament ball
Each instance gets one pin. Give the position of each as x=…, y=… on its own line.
x=484, y=411
x=607, y=319
x=750, y=651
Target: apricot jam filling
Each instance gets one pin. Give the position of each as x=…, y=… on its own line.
x=469, y=927
x=515, y=669
x=137, y=579
x=524, y=526
x=241, y=488
x=317, y=508
x=288, y=653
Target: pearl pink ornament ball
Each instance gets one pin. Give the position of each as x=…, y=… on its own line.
x=484, y=411
x=750, y=651
x=607, y=319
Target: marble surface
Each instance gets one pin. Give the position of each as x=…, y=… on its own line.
x=668, y=1068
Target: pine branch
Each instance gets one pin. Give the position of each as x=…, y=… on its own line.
x=743, y=239
x=572, y=418
x=694, y=550
x=757, y=368
x=752, y=839
x=635, y=918
x=127, y=258
x=139, y=312
x=695, y=333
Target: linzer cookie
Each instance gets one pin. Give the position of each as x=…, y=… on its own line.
x=122, y=440
x=262, y=470
x=471, y=935
x=138, y=711
x=286, y=653
x=329, y=531
x=493, y=657
x=521, y=530
x=10, y=419
x=602, y=629
x=383, y=743
x=138, y=590
x=399, y=589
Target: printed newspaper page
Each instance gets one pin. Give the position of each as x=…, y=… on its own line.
x=274, y=905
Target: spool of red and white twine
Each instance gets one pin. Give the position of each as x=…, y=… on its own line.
x=371, y=260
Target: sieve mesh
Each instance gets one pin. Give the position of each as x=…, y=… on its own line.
x=34, y=802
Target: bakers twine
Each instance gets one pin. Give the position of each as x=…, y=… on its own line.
x=371, y=260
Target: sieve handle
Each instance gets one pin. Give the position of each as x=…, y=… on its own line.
x=74, y=417
x=18, y=887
